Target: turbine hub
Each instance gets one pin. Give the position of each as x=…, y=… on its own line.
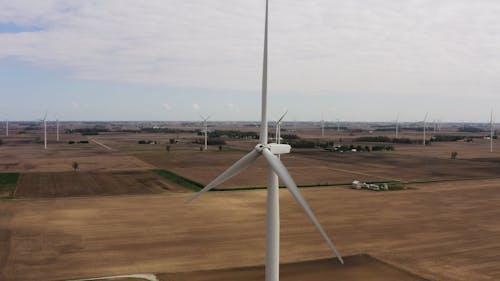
x=260, y=147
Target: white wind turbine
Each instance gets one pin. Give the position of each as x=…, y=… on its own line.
x=491, y=131
x=276, y=169
x=278, y=127
x=6, y=127
x=44, y=120
x=322, y=126
x=425, y=125
x=205, y=126
x=397, y=125
x=57, y=129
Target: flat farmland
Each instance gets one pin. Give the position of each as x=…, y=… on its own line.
x=21, y=154
x=445, y=231
x=478, y=150
x=359, y=267
x=205, y=166
x=315, y=167
x=69, y=184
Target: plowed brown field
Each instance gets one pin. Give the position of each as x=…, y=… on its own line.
x=445, y=231
x=68, y=184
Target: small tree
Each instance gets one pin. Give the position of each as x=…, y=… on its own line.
x=168, y=148
x=172, y=141
x=75, y=166
x=220, y=147
x=201, y=148
x=454, y=155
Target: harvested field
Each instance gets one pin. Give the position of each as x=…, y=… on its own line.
x=67, y=184
x=317, y=167
x=22, y=157
x=445, y=231
x=403, y=167
x=359, y=267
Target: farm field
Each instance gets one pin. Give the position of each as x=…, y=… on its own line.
x=359, y=267
x=317, y=167
x=21, y=154
x=440, y=231
x=70, y=184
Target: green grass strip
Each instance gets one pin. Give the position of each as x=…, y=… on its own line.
x=180, y=180
x=8, y=182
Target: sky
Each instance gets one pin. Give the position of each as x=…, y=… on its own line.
x=352, y=60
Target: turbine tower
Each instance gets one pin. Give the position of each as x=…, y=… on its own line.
x=44, y=120
x=278, y=127
x=397, y=125
x=322, y=126
x=6, y=127
x=425, y=124
x=276, y=169
x=57, y=129
x=491, y=131
x=205, y=126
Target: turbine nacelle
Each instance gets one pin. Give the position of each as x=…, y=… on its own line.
x=275, y=148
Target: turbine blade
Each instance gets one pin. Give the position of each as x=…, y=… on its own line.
x=282, y=116
x=235, y=169
x=282, y=172
x=263, y=118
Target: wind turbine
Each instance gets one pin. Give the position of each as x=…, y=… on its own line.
x=276, y=169
x=44, y=120
x=278, y=127
x=397, y=125
x=425, y=124
x=57, y=129
x=206, y=129
x=491, y=131
x=6, y=127
x=322, y=126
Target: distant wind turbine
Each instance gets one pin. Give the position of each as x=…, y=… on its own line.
x=57, y=129
x=206, y=129
x=397, y=125
x=6, y=127
x=44, y=120
x=491, y=131
x=425, y=125
x=276, y=169
x=322, y=126
x=278, y=127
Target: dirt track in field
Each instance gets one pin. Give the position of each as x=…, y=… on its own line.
x=445, y=231
x=69, y=184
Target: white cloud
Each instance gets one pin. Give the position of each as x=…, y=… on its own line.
x=447, y=47
x=195, y=106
